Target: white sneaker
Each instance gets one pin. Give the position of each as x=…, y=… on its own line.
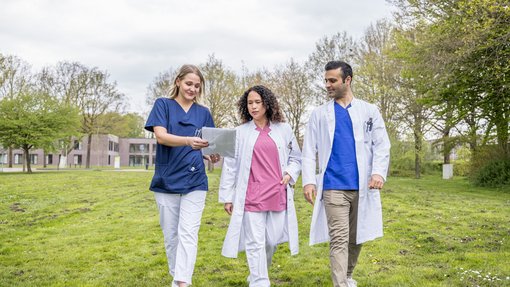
x=174, y=284
x=351, y=282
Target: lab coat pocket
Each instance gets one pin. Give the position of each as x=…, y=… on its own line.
x=367, y=131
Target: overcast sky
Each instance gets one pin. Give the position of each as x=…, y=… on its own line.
x=135, y=40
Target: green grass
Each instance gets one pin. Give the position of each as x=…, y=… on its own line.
x=100, y=228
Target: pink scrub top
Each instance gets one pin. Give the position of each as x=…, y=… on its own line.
x=264, y=192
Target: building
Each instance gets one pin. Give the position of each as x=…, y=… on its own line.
x=104, y=150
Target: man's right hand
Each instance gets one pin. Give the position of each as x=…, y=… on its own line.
x=310, y=193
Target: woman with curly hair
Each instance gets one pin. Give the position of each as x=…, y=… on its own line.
x=256, y=185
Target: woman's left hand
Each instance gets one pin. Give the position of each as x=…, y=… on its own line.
x=285, y=179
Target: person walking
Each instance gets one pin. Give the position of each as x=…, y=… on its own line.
x=180, y=182
x=256, y=185
x=348, y=138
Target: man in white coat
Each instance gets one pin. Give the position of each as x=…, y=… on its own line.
x=348, y=138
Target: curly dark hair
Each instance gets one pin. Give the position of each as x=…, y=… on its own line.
x=273, y=111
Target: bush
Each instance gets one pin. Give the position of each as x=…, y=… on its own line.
x=431, y=167
x=461, y=168
x=495, y=173
x=401, y=172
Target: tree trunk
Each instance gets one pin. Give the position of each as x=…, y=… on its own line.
x=10, y=156
x=44, y=159
x=502, y=133
x=417, y=146
x=472, y=136
x=417, y=157
x=447, y=146
x=89, y=143
x=27, y=159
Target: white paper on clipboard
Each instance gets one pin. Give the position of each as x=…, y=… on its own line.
x=221, y=141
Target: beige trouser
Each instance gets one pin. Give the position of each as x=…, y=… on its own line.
x=342, y=214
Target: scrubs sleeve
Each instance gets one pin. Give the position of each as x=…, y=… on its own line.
x=158, y=116
x=209, y=122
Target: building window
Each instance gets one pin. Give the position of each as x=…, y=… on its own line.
x=33, y=159
x=139, y=148
x=49, y=159
x=113, y=146
x=153, y=148
x=138, y=160
x=77, y=159
x=18, y=158
x=3, y=158
x=77, y=145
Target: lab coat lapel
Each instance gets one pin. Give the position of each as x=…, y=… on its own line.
x=254, y=134
x=331, y=121
x=356, y=115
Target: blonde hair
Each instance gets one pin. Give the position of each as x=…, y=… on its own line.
x=183, y=71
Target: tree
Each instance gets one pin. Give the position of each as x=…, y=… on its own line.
x=100, y=97
x=35, y=120
x=293, y=89
x=413, y=112
x=87, y=88
x=128, y=125
x=15, y=76
x=377, y=76
x=340, y=46
x=160, y=86
x=67, y=81
x=470, y=38
x=221, y=91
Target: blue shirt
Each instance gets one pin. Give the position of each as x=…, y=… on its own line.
x=178, y=169
x=342, y=170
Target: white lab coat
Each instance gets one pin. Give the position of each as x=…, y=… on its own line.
x=372, y=155
x=234, y=182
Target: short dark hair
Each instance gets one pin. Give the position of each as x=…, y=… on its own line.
x=273, y=111
x=345, y=68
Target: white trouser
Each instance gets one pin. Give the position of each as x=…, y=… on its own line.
x=263, y=230
x=179, y=217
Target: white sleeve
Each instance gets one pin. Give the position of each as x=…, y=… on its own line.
x=380, y=146
x=227, y=180
x=293, y=167
x=309, y=159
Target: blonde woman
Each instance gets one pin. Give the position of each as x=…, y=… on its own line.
x=180, y=182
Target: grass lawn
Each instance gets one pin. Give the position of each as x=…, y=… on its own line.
x=100, y=228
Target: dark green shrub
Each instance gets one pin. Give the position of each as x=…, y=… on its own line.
x=431, y=167
x=495, y=173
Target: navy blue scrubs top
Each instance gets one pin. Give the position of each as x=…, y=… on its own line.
x=178, y=169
